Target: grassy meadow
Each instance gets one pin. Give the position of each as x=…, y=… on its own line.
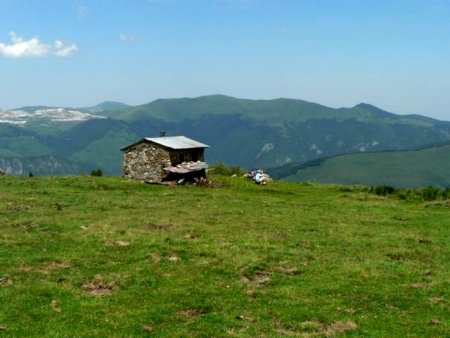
x=106, y=257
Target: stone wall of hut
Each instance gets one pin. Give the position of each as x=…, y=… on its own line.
x=145, y=162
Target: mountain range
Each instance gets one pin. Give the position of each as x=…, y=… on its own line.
x=249, y=133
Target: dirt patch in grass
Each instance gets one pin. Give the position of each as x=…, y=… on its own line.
x=256, y=274
x=158, y=226
x=420, y=285
x=148, y=328
x=314, y=328
x=98, y=287
x=188, y=313
x=191, y=236
x=45, y=268
x=55, y=306
x=16, y=207
x=282, y=235
x=436, y=299
x=5, y=281
x=2, y=327
x=351, y=311
x=191, y=312
x=287, y=333
x=340, y=326
x=260, y=277
x=156, y=257
x=287, y=271
x=247, y=319
x=118, y=243
x=48, y=267
x=174, y=258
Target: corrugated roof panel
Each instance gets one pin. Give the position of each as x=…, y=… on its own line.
x=177, y=142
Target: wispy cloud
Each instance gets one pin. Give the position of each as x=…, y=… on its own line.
x=127, y=38
x=63, y=50
x=22, y=48
x=82, y=12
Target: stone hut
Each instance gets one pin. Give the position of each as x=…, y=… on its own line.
x=151, y=159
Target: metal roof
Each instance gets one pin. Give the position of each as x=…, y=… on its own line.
x=172, y=142
x=177, y=142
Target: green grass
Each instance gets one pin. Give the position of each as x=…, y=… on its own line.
x=234, y=259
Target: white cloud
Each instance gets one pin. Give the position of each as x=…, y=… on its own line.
x=21, y=48
x=63, y=50
x=127, y=38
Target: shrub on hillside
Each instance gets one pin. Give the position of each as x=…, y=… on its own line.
x=225, y=170
x=429, y=193
x=382, y=190
x=96, y=172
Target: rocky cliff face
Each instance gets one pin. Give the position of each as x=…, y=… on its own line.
x=42, y=165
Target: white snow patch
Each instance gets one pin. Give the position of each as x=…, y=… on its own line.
x=265, y=149
x=54, y=114
x=315, y=148
x=283, y=160
x=13, y=122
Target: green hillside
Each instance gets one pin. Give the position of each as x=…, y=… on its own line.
x=107, y=108
x=19, y=142
x=105, y=257
x=416, y=168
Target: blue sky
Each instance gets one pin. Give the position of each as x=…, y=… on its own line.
x=394, y=54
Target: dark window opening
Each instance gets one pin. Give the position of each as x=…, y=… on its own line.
x=195, y=156
x=181, y=158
